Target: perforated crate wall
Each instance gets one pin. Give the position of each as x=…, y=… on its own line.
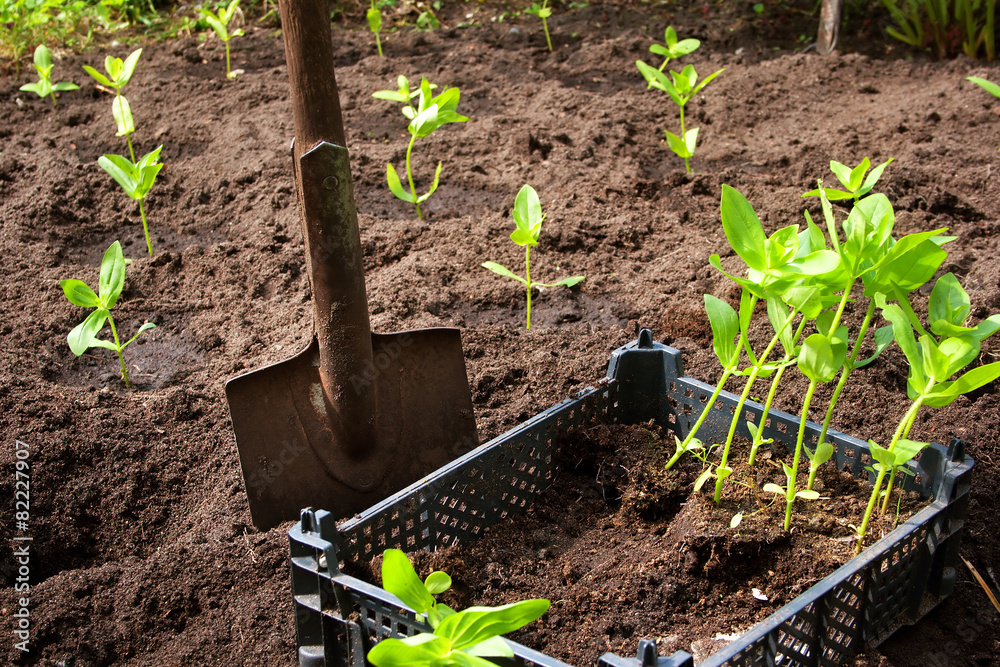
x=895, y=581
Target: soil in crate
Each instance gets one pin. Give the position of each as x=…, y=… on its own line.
x=625, y=550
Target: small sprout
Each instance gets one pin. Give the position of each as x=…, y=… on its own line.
x=988, y=86
x=119, y=73
x=220, y=24
x=136, y=179
x=458, y=638
x=528, y=217
x=853, y=180
x=44, y=86
x=671, y=49
x=823, y=452
x=374, y=16
x=681, y=87
x=542, y=11
x=430, y=114
x=112, y=280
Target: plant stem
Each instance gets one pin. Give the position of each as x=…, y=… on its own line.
x=378, y=43
x=527, y=276
x=229, y=74
x=409, y=177
x=53, y=95
x=145, y=229
x=662, y=67
x=545, y=27
x=790, y=495
x=907, y=418
x=892, y=476
x=118, y=349
x=845, y=372
x=687, y=164
x=758, y=441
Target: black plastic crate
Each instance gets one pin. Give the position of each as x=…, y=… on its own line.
x=892, y=583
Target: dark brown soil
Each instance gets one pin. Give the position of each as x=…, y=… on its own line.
x=143, y=551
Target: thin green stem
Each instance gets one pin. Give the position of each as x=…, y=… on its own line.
x=145, y=228
x=845, y=372
x=907, y=418
x=53, y=95
x=813, y=469
x=378, y=44
x=118, y=349
x=892, y=476
x=545, y=27
x=840, y=308
x=804, y=416
x=409, y=177
x=759, y=439
x=687, y=163
x=527, y=276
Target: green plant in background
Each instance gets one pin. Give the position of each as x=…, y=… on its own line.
x=374, y=16
x=945, y=24
x=119, y=73
x=220, y=24
x=44, y=86
x=671, y=49
x=431, y=113
x=136, y=179
x=110, y=285
x=542, y=11
x=461, y=638
x=681, y=87
x=528, y=217
x=70, y=23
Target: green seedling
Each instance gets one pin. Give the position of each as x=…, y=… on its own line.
x=110, y=285
x=220, y=24
x=681, y=87
x=463, y=638
x=528, y=217
x=374, y=16
x=431, y=113
x=400, y=579
x=935, y=357
x=542, y=11
x=853, y=180
x=44, y=86
x=136, y=179
x=817, y=457
x=119, y=73
x=671, y=49
x=403, y=95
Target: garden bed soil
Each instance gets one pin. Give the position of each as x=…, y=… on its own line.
x=142, y=548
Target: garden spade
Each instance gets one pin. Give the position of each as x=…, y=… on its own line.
x=356, y=416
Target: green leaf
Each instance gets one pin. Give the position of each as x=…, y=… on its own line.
x=128, y=67
x=842, y=172
x=527, y=211
x=948, y=304
x=743, y=229
x=988, y=86
x=946, y=392
x=873, y=177
x=434, y=184
x=568, y=282
x=64, y=86
x=986, y=328
x=691, y=140
x=704, y=82
x=374, y=17
x=807, y=495
x=857, y=175
x=413, y=651
x=79, y=294
x=770, y=487
x=97, y=76
x=42, y=57
x=494, y=647
x=702, y=479
x=399, y=578
x=425, y=123
x=907, y=341
x=437, y=582
x=678, y=145
x=215, y=23
x=122, y=171
x=883, y=339
x=725, y=328
x=523, y=238
x=396, y=186
x=503, y=271
x=84, y=335
x=122, y=111
x=113, y=66
x=112, y=278
x=905, y=450
x=818, y=360
x=477, y=624
x=40, y=88
x=880, y=454
x=822, y=454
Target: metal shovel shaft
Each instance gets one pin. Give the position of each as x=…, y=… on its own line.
x=330, y=230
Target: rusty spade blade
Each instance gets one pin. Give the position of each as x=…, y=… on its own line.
x=356, y=416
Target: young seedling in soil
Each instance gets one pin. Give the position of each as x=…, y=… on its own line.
x=136, y=179
x=671, y=49
x=44, y=86
x=853, y=180
x=681, y=87
x=528, y=217
x=947, y=349
x=110, y=284
x=542, y=11
x=430, y=114
x=220, y=24
x=403, y=95
x=988, y=86
x=119, y=73
x=374, y=16
x=458, y=638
